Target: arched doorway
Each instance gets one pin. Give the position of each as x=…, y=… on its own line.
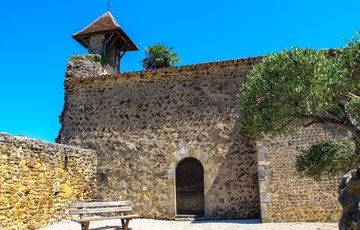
x=190, y=187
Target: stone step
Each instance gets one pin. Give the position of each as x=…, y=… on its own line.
x=189, y=217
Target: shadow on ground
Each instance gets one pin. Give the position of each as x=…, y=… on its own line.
x=241, y=222
x=114, y=227
x=253, y=221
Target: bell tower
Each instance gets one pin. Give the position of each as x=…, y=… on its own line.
x=105, y=37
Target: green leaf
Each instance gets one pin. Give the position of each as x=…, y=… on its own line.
x=327, y=159
x=159, y=56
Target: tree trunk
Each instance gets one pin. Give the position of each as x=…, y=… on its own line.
x=350, y=197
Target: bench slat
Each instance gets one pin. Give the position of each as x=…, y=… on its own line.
x=95, y=218
x=100, y=210
x=100, y=204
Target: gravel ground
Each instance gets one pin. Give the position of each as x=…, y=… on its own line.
x=145, y=224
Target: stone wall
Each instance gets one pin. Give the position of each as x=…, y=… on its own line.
x=143, y=124
x=38, y=180
x=84, y=66
x=285, y=196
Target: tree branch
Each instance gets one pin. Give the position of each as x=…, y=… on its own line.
x=349, y=121
x=312, y=119
x=349, y=95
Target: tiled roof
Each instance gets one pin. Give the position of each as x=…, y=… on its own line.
x=244, y=62
x=105, y=23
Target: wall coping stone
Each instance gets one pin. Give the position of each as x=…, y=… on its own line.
x=246, y=62
x=5, y=137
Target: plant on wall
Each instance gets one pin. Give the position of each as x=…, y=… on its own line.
x=87, y=57
x=301, y=87
x=159, y=56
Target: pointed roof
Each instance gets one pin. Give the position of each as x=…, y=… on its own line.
x=104, y=24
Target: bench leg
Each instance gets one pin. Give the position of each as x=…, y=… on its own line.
x=85, y=226
x=125, y=224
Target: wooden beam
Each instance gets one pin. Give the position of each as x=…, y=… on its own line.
x=100, y=204
x=123, y=53
x=113, y=42
x=86, y=43
x=100, y=210
x=124, y=39
x=112, y=34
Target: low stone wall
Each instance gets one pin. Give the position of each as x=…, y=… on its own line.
x=39, y=179
x=284, y=195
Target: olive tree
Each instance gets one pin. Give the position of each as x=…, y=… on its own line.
x=302, y=87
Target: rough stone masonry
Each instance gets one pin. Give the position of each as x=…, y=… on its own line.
x=38, y=180
x=142, y=124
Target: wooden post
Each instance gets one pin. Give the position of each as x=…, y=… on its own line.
x=126, y=224
x=85, y=225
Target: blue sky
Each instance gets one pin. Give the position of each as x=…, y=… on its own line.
x=36, y=42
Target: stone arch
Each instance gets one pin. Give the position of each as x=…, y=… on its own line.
x=189, y=181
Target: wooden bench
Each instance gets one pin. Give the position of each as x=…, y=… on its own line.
x=89, y=212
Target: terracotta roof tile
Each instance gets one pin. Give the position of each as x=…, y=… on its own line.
x=105, y=23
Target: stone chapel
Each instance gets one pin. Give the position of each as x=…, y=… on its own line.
x=170, y=139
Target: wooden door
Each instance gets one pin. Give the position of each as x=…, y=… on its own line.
x=190, y=187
